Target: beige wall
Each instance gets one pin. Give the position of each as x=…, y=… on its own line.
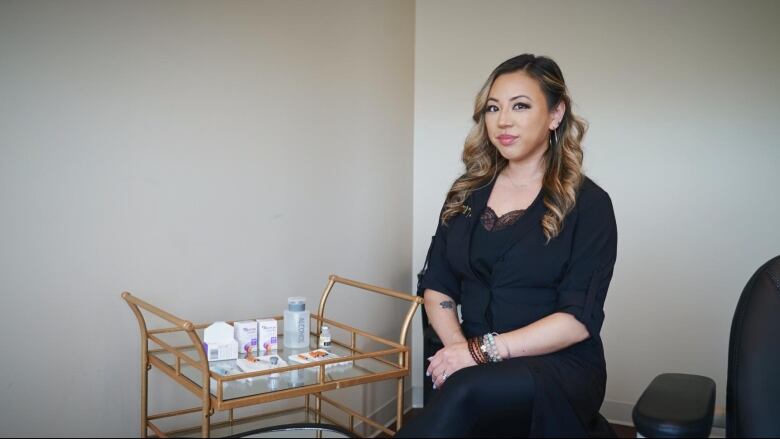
x=682, y=100
x=215, y=158
x=211, y=157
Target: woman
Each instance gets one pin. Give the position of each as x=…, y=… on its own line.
x=526, y=245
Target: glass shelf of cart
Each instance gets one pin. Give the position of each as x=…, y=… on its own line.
x=268, y=383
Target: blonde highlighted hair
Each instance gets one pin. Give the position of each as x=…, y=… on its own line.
x=563, y=158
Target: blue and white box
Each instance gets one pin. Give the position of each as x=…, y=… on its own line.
x=246, y=336
x=218, y=342
x=268, y=334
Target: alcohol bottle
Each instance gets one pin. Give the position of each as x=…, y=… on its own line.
x=296, y=323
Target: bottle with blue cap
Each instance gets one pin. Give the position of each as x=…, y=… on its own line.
x=296, y=323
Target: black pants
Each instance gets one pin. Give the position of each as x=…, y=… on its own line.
x=486, y=400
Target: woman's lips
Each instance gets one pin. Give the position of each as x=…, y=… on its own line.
x=506, y=139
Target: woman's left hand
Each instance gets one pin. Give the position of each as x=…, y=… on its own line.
x=447, y=361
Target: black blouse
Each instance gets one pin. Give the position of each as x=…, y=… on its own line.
x=488, y=239
x=515, y=277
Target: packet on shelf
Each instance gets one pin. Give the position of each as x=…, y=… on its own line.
x=263, y=362
x=218, y=342
x=318, y=355
x=225, y=368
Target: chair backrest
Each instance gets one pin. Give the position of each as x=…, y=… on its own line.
x=753, y=388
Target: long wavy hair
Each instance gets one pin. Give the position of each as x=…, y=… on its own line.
x=563, y=158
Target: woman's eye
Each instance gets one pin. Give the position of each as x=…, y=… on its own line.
x=520, y=106
x=491, y=109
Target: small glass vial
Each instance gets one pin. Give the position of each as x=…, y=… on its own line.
x=273, y=382
x=325, y=340
x=273, y=360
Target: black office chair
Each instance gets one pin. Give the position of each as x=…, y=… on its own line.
x=681, y=405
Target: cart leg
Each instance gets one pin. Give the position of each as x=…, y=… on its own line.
x=205, y=428
x=318, y=405
x=317, y=416
x=144, y=395
x=400, y=405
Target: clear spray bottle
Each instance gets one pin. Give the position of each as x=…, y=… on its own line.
x=296, y=323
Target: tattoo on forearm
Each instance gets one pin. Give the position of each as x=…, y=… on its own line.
x=447, y=304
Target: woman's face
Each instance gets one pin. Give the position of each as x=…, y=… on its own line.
x=517, y=119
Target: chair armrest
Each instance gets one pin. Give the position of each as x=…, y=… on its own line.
x=676, y=405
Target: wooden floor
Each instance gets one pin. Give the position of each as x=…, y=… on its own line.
x=624, y=431
x=621, y=430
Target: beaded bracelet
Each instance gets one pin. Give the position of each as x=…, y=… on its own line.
x=483, y=353
x=490, y=347
x=484, y=347
x=474, y=349
x=479, y=357
x=470, y=344
x=471, y=351
x=494, y=340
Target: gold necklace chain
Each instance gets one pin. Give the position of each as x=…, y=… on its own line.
x=524, y=184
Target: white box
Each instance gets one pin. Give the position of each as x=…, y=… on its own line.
x=268, y=334
x=246, y=336
x=218, y=342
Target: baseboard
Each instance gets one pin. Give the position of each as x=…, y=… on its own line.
x=617, y=412
x=386, y=414
x=417, y=397
x=390, y=423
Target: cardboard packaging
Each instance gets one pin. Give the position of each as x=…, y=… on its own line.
x=316, y=356
x=218, y=342
x=246, y=335
x=268, y=334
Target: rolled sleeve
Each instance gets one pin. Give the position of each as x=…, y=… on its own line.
x=438, y=275
x=583, y=290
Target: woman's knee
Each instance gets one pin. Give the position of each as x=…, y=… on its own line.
x=458, y=388
x=490, y=382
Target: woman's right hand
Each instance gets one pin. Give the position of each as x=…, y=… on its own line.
x=447, y=361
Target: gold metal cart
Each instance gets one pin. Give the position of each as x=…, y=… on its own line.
x=188, y=366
